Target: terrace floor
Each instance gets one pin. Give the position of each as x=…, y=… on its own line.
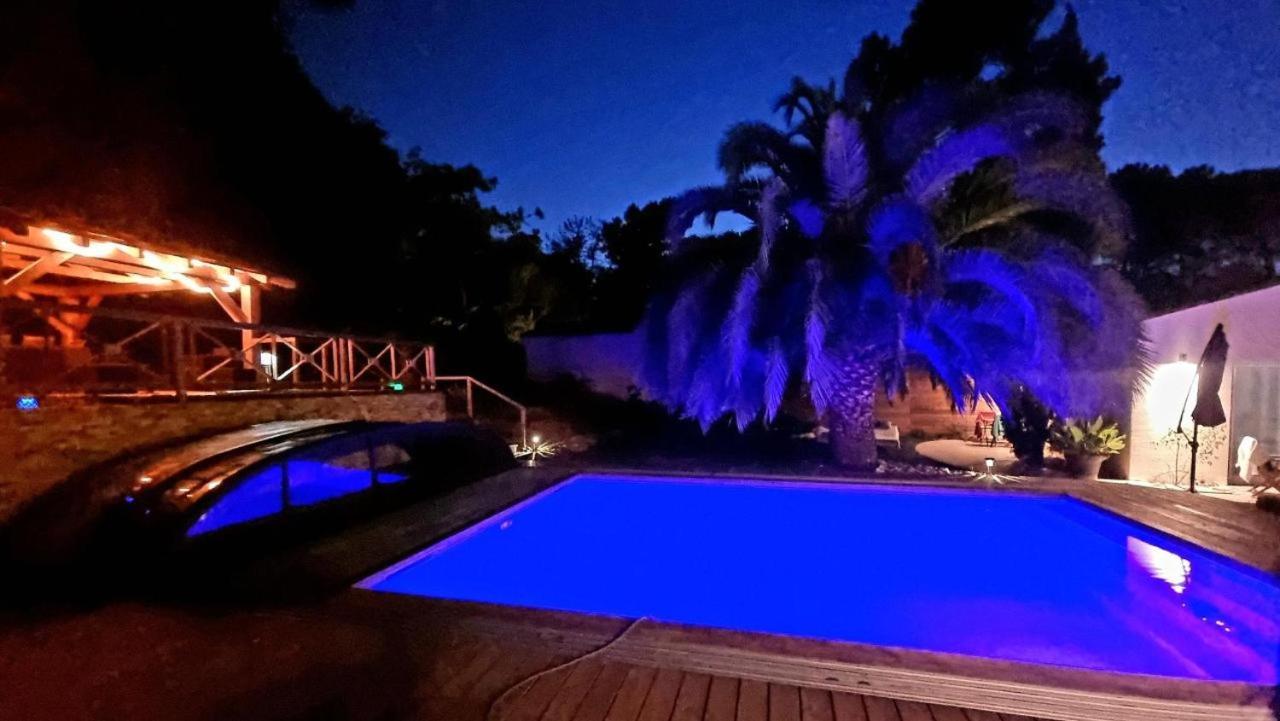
x=319, y=652
x=145, y=663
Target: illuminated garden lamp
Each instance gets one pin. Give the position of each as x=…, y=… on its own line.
x=537, y=448
x=28, y=402
x=991, y=465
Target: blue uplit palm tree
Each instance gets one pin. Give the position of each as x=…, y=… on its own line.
x=870, y=255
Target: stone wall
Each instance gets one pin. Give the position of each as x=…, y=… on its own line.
x=41, y=448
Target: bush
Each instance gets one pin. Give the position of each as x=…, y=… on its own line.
x=1028, y=429
x=1086, y=438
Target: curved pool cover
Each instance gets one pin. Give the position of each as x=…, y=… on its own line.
x=1016, y=576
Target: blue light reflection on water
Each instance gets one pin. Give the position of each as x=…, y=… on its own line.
x=1039, y=579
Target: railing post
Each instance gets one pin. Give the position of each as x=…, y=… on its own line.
x=351, y=363
x=178, y=337
x=275, y=358
x=471, y=408
x=524, y=427
x=431, y=365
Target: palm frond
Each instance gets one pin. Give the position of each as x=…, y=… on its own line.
x=913, y=124
x=954, y=154
x=708, y=201
x=754, y=145
x=812, y=103
x=992, y=272
x=776, y=374
x=845, y=164
x=1086, y=196
x=819, y=369
x=737, y=332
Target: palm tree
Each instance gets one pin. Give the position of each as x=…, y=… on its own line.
x=955, y=231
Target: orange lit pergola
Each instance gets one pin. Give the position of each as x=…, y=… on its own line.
x=80, y=269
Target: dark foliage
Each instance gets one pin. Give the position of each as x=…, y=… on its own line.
x=1200, y=235
x=192, y=125
x=1027, y=428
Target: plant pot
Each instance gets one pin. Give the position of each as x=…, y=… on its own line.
x=1085, y=467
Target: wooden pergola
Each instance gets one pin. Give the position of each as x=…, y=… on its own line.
x=79, y=269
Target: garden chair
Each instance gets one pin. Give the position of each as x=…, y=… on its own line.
x=1267, y=477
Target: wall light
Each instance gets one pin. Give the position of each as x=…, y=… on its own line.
x=268, y=361
x=1166, y=393
x=28, y=402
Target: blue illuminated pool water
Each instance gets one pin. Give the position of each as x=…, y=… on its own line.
x=1040, y=579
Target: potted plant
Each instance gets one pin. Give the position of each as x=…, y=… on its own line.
x=1086, y=444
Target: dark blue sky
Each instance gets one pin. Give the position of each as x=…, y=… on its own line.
x=583, y=106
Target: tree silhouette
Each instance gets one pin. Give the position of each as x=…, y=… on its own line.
x=926, y=216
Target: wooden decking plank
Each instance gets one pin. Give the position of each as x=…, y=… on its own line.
x=881, y=709
x=848, y=707
x=722, y=699
x=784, y=702
x=692, y=699
x=602, y=692
x=630, y=697
x=662, y=696
x=565, y=703
x=947, y=713
x=465, y=674
x=976, y=715
x=530, y=705
x=510, y=670
x=912, y=711
x=815, y=705
x=753, y=701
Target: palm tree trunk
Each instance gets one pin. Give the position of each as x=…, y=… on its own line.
x=851, y=415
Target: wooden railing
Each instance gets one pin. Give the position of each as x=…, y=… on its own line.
x=117, y=352
x=472, y=384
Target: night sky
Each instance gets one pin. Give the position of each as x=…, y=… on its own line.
x=583, y=106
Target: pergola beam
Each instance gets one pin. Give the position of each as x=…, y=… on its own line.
x=79, y=269
x=228, y=304
x=71, y=270
x=34, y=270
x=101, y=289
x=103, y=253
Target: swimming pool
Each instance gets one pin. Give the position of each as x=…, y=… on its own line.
x=1015, y=576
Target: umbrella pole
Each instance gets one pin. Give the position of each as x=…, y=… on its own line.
x=1195, y=448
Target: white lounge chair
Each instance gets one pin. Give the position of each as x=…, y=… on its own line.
x=1244, y=458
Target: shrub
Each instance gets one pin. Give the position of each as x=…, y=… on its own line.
x=1087, y=438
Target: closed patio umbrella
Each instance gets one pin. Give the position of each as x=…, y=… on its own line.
x=1208, y=410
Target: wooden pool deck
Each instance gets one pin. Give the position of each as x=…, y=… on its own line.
x=917, y=682
x=320, y=649
x=604, y=689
